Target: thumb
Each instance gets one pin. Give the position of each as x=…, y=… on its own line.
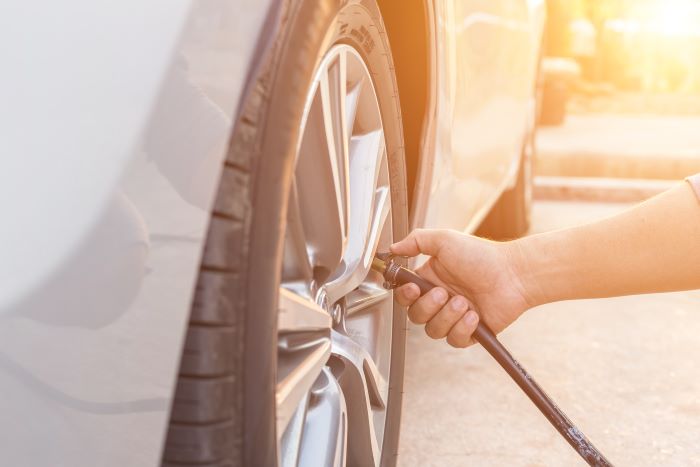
x=426, y=241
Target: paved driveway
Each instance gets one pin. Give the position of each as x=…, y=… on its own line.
x=626, y=370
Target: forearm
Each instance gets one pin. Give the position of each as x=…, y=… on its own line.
x=653, y=247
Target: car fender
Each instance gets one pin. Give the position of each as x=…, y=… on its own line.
x=115, y=122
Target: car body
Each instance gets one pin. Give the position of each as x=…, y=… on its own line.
x=116, y=117
x=485, y=72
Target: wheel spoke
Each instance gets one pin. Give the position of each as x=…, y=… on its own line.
x=368, y=321
x=381, y=213
x=351, y=103
x=365, y=389
x=369, y=208
x=299, y=363
x=303, y=340
x=299, y=314
x=296, y=264
x=365, y=297
x=326, y=426
x=356, y=269
x=347, y=348
x=321, y=181
x=290, y=442
x=332, y=95
x=334, y=107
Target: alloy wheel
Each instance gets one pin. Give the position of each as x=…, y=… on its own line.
x=335, y=318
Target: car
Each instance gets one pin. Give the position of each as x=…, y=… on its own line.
x=193, y=193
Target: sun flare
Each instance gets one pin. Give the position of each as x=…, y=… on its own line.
x=674, y=17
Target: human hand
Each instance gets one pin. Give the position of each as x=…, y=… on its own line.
x=481, y=274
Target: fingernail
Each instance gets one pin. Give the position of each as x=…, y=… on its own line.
x=471, y=318
x=439, y=296
x=412, y=292
x=458, y=303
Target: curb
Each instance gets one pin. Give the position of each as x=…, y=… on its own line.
x=606, y=190
x=585, y=164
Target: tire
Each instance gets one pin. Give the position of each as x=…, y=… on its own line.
x=225, y=409
x=510, y=216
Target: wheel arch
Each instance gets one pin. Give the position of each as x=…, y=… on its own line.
x=409, y=27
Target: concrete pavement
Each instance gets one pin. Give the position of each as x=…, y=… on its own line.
x=625, y=370
x=626, y=146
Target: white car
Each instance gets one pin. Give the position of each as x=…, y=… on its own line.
x=193, y=192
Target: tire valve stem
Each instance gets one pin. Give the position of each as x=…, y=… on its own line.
x=383, y=263
x=395, y=275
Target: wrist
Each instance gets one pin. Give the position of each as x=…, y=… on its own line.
x=523, y=262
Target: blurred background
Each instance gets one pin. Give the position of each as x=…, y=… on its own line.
x=620, y=97
x=619, y=123
x=622, y=55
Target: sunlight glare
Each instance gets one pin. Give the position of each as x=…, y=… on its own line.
x=673, y=18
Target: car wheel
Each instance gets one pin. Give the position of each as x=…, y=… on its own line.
x=294, y=352
x=510, y=216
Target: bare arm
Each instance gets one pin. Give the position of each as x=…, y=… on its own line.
x=653, y=247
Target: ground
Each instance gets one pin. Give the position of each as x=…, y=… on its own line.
x=626, y=146
x=625, y=370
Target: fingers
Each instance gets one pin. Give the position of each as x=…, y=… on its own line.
x=443, y=316
x=426, y=241
x=427, y=306
x=407, y=294
x=461, y=333
x=448, y=316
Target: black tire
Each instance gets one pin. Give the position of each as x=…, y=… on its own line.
x=510, y=216
x=223, y=412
